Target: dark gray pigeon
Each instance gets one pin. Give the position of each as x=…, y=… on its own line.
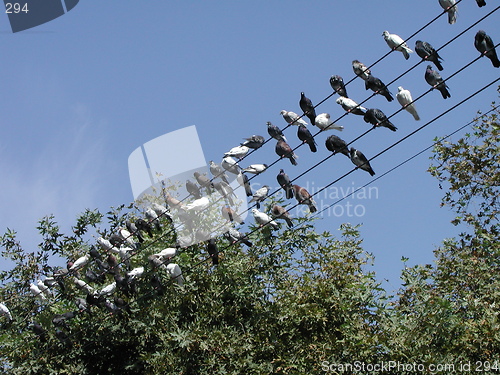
x=485, y=46
x=378, y=87
x=218, y=172
x=308, y=108
x=338, y=86
x=275, y=132
x=377, y=118
x=255, y=141
x=243, y=181
x=193, y=189
x=203, y=180
x=306, y=137
x=428, y=53
x=284, y=182
x=481, y=3
x=434, y=79
x=284, y=150
x=360, y=161
x=336, y=144
x=450, y=7
x=361, y=70
x=213, y=251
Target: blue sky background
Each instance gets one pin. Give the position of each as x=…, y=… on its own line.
x=80, y=93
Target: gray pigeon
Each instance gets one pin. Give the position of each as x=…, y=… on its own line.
x=292, y=118
x=434, y=79
x=450, y=7
x=243, y=181
x=360, y=161
x=361, y=70
x=254, y=142
x=260, y=195
x=307, y=107
x=230, y=165
x=338, y=86
x=284, y=150
x=306, y=137
x=275, y=132
x=193, y=189
x=336, y=144
x=234, y=236
x=428, y=53
x=284, y=182
x=377, y=118
x=485, y=46
x=218, y=172
x=378, y=87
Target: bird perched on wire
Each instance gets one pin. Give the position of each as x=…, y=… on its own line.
x=338, y=86
x=132, y=228
x=485, y=46
x=37, y=292
x=260, y=195
x=378, y=87
x=336, y=144
x=284, y=182
x=172, y=202
x=193, y=189
x=350, y=106
x=235, y=236
x=213, y=251
x=324, y=123
x=361, y=70
x=434, y=79
x=144, y=226
x=284, y=150
x=197, y=205
x=261, y=218
x=230, y=165
x=450, y=7
x=238, y=151
x=306, y=137
x=377, y=118
x=231, y=215
x=152, y=217
x=280, y=212
x=203, y=180
x=307, y=107
x=225, y=191
x=404, y=98
x=218, y=172
x=396, y=43
x=292, y=118
x=243, y=181
x=254, y=142
x=303, y=197
x=255, y=168
x=360, y=161
x=428, y=53
x=175, y=273
x=275, y=132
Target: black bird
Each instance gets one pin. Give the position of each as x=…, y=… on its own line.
x=360, y=161
x=213, y=251
x=338, y=86
x=481, y=3
x=193, y=189
x=157, y=285
x=94, y=253
x=428, y=53
x=94, y=300
x=255, y=141
x=63, y=337
x=39, y=331
x=485, y=46
x=377, y=118
x=275, y=132
x=434, y=79
x=284, y=182
x=284, y=150
x=378, y=87
x=336, y=144
x=60, y=320
x=92, y=277
x=144, y=226
x=132, y=228
x=218, y=172
x=306, y=137
x=308, y=108
x=115, y=240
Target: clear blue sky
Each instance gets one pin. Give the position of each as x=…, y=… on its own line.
x=80, y=93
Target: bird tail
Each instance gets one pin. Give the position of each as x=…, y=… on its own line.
x=293, y=158
x=414, y=113
x=438, y=65
x=452, y=15
x=372, y=172
x=406, y=54
x=248, y=189
x=388, y=96
x=444, y=92
x=289, y=192
x=312, y=206
x=495, y=61
x=288, y=222
x=312, y=146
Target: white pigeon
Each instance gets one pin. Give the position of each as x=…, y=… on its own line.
x=5, y=312
x=175, y=273
x=198, y=204
x=292, y=118
x=106, y=245
x=36, y=292
x=80, y=262
x=83, y=285
x=126, y=236
x=262, y=218
x=450, y=7
x=136, y=273
x=323, y=122
x=238, y=151
x=404, y=98
x=396, y=43
x=108, y=290
x=255, y=168
x=124, y=253
x=45, y=290
x=230, y=165
x=167, y=253
x=350, y=106
x=159, y=209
